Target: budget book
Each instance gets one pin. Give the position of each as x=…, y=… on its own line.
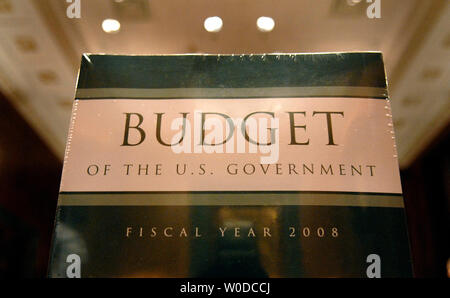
x=274, y=165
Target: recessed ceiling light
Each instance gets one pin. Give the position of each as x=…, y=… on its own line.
x=213, y=24
x=110, y=25
x=353, y=2
x=265, y=24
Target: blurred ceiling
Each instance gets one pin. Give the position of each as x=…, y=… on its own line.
x=40, y=49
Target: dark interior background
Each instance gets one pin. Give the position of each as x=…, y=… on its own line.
x=426, y=189
x=30, y=176
x=29, y=184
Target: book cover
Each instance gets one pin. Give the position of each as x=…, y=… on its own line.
x=276, y=165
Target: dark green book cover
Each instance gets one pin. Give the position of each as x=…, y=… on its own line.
x=277, y=165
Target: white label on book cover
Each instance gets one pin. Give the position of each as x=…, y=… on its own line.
x=256, y=144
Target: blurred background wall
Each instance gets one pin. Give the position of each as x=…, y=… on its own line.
x=40, y=49
x=29, y=182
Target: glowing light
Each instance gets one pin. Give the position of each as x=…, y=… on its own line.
x=213, y=24
x=111, y=26
x=353, y=2
x=265, y=24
